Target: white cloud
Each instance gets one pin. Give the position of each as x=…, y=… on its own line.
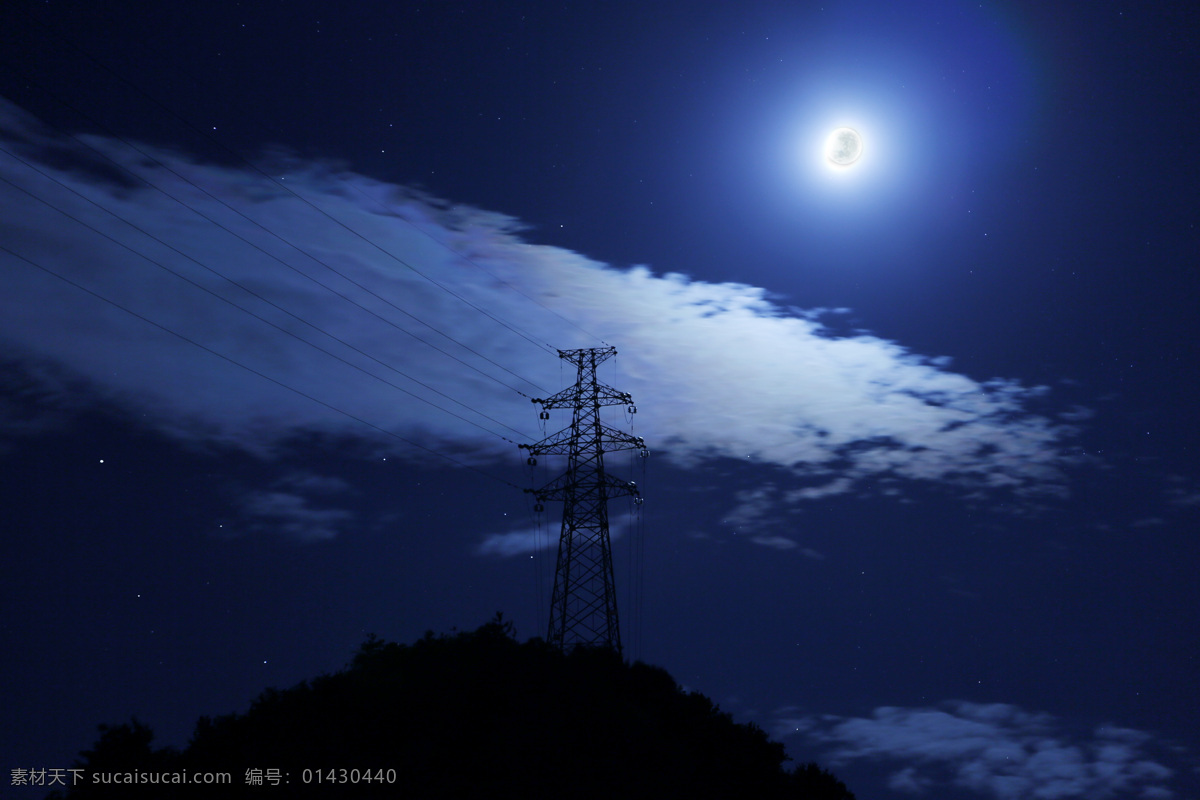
x=910, y=781
x=753, y=507
x=776, y=542
x=513, y=543
x=530, y=540
x=717, y=370
x=996, y=750
x=836, y=486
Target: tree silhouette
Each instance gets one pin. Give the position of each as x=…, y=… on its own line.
x=470, y=715
x=814, y=783
x=120, y=749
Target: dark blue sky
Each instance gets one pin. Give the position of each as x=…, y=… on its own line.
x=923, y=496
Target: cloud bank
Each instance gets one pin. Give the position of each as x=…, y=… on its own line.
x=996, y=750
x=366, y=310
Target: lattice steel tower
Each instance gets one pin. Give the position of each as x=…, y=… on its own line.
x=583, y=606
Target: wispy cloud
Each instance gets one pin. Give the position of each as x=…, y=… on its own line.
x=297, y=505
x=514, y=543
x=530, y=540
x=717, y=370
x=775, y=542
x=36, y=400
x=1183, y=492
x=787, y=543
x=996, y=750
x=755, y=508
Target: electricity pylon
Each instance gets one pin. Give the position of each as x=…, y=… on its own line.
x=583, y=606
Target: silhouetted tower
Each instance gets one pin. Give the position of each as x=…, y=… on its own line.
x=583, y=606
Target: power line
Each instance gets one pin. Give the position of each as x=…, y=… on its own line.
x=281, y=185
x=346, y=227
x=285, y=241
x=295, y=193
x=279, y=328
x=480, y=267
x=237, y=363
x=149, y=45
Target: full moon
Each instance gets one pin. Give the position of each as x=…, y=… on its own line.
x=843, y=147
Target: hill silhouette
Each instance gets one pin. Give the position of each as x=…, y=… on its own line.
x=474, y=714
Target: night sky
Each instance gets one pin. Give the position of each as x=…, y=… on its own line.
x=278, y=281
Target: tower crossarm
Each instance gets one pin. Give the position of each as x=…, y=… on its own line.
x=556, y=444
x=559, y=444
x=617, y=440
x=597, y=395
x=563, y=487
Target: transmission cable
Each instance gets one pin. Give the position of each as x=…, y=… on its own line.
x=475, y=264
x=547, y=347
x=251, y=313
x=258, y=123
x=281, y=239
x=275, y=381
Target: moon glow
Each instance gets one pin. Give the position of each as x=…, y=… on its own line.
x=843, y=147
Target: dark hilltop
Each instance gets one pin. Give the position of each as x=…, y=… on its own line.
x=474, y=714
